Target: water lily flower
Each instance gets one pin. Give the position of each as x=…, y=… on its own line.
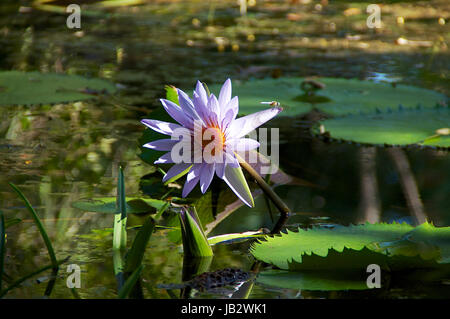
x=211, y=136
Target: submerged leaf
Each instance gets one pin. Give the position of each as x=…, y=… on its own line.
x=312, y=280
x=134, y=205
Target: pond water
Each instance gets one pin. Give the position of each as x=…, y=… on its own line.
x=58, y=154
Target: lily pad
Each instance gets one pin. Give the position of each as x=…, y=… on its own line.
x=356, y=246
x=26, y=88
x=337, y=97
x=419, y=126
x=108, y=205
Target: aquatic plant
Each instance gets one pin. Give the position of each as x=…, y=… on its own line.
x=208, y=125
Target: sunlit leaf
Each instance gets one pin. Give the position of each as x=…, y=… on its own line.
x=400, y=127
x=339, y=97
x=352, y=246
x=120, y=218
x=234, y=237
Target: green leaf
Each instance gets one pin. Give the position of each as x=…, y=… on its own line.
x=26, y=88
x=136, y=253
x=120, y=218
x=234, y=237
x=195, y=243
x=286, y=248
x=339, y=97
x=108, y=205
x=401, y=127
x=425, y=240
x=39, y=225
x=130, y=283
x=172, y=94
x=396, y=246
x=311, y=280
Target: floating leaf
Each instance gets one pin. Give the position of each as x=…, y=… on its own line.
x=354, y=246
x=108, y=205
x=338, y=97
x=401, y=127
x=234, y=237
x=25, y=88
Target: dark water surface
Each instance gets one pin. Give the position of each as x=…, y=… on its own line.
x=58, y=154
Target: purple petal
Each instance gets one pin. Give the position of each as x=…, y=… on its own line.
x=244, y=125
x=225, y=94
x=201, y=92
x=206, y=176
x=236, y=181
x=160, y=126
x=161, y=145
x=220, y=169
x=214, y=109
x=194, y=172
x=165, y=159
x=192, y=180
x=186, y=104
x=243, y=144
x=231, y=111
x=177, y=113
x=175, y=170
x=230, y=159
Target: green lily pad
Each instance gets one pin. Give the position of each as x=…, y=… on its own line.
x=404, y=127
x=26, y=88
x=356, y=246
x=338, y=97
x=108, y=205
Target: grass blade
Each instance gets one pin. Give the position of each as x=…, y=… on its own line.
x=2, y=246
x=130, y=283
x=39, y=225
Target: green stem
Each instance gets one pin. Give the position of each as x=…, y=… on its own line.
x=279, y=204
x=2, y=246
